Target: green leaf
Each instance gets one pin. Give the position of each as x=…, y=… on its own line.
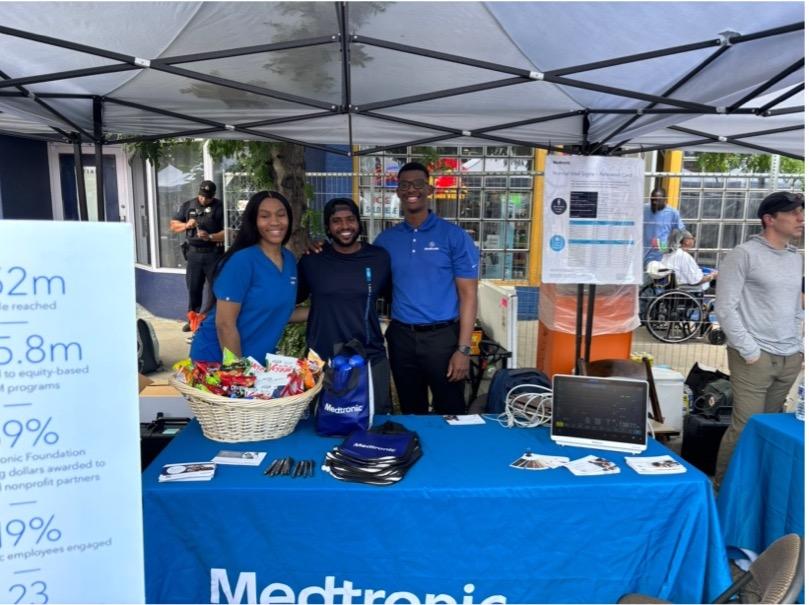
x=293, y=340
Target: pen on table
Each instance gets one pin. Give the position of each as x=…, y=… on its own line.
x=270, y=469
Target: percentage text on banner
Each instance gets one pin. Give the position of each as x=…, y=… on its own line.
x=36, y=528
x=33, y=428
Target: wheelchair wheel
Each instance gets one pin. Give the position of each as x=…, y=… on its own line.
x=645, y=296
x=674, y=316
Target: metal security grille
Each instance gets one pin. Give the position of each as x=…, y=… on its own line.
x=487, y=190
x=719, y=209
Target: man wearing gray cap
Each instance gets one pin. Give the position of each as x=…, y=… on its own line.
x=203, y=221
x=758, y=304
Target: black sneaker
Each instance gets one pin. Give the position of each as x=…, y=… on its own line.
x=186, y=327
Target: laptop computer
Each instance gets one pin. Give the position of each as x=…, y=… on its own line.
x=600, y=413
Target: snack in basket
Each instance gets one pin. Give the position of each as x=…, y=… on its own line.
x=246, y=378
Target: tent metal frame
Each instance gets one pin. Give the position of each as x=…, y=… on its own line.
x=75, y=134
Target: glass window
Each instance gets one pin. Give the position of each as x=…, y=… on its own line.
x=472, y=165
x=712, y=205
x=521, y=182
x=492, y=237
x=370, y=163
x=500, y=182
x=751, y=230
x=470, y=182
x=470, y=204
x=521, y=165
x=689, y=204
x=446, y=206
x=236, y=192
x=518, y=234
x=790, y=182
x=706, y=258
x=734, y=204
x=421, y=151
x=473, y=229
x=708, y=235
x=491, y=265
x=731, y=235
x=178, y=179
x=754, y=201
x=712, y=182
x=497, y=164
x=691, y=181
x=493, y=206
x=515, y=265
x=519, y=204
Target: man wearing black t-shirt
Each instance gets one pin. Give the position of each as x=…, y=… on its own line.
x=344, y=283
x=203, y=221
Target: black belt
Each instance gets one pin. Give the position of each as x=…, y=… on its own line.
x=205, y=249
x=426, y=327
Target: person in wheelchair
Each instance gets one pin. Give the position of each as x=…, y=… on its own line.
x=675, y=307
x=686, y=270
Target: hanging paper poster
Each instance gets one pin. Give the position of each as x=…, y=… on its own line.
x=593, y=220
x=70, y=499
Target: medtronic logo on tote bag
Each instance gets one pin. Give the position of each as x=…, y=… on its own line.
x=347, y=401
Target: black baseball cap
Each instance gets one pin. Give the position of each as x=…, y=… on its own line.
x=207, y=188
x=338, y=203
x=780, y=201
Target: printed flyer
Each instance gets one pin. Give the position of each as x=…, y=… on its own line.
x=593, y=220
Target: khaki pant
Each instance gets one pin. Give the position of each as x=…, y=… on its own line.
x=758, y=388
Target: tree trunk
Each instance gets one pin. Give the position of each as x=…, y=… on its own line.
x=289, y=175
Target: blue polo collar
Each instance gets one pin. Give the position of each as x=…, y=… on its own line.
x=428, y=223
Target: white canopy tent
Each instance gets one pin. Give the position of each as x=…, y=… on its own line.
x=592, y=77
x=595, y=77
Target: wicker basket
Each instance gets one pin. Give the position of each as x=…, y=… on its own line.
x=240, y=420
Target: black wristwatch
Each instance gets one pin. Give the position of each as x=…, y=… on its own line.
x=466, y=350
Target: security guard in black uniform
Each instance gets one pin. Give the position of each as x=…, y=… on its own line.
x=203, y=220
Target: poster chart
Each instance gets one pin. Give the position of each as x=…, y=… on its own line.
x=70, y=500
x=593, y=220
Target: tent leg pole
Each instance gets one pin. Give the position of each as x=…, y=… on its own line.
x=588, y=334
x=81, y=184
x=579, y=311
x=99, y=157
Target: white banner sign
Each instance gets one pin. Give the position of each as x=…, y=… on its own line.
x=593, y=220
x=70, y=498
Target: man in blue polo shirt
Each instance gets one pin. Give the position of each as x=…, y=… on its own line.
x=434, y=265
x=658, y=222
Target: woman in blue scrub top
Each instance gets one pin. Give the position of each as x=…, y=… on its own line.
x=254, y=287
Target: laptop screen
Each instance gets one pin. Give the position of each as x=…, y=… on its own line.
x=600, y=409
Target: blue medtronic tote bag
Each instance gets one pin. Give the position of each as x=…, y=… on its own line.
x=347, y=400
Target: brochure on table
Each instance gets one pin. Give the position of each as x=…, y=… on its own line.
x=593, y=220
x=71, y=528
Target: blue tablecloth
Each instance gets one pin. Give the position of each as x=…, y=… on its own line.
x=762, y=494
x=462, y=525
